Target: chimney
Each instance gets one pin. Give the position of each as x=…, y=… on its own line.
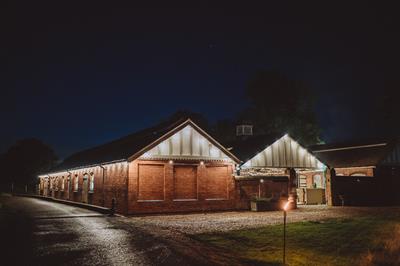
x=244, y=130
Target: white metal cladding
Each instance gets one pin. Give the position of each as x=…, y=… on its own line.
x=394, y=157
x=285, y=152
x=187, y=143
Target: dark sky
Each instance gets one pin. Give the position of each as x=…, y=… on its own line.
x=78, y=76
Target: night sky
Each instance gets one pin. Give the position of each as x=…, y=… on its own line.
x=79, y=76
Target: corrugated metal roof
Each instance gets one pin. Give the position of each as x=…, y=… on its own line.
x=270, y=151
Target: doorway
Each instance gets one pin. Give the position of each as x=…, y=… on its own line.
x=85, y=188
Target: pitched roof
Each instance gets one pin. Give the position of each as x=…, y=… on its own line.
x=246, y=148
x=274, y=151
x=354, y=153
x=129, y=147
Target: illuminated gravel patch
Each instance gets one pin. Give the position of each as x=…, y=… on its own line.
x=226, y=221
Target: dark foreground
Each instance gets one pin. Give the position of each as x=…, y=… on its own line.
x=37, y=232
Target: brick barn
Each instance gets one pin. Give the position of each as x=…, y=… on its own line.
x=171, y=167
x=362, y=172
x=277, y=167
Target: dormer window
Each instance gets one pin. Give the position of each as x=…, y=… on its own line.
x=244, y=130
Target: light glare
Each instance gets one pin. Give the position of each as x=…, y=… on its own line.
x=286, y=206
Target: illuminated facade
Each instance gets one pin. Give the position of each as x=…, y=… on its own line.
x=280, y=168
x=173, y=167
x=178, y=167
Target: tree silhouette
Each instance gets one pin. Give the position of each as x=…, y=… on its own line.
x=386, y=116
x=25, y=160
x=279, y=104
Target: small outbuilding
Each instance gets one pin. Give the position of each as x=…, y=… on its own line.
x=278, y=167
x=365, y=172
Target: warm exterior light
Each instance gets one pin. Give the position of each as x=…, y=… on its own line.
x=286, y=206
x=261, y=180
x=201, y=163
x=171, y=162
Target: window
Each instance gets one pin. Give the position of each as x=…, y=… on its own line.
x=91, y=183
x=56, y=182
x=302, y=181
x=62, y=184
x=317, y=181
x=244, y=130
x=51, y=183
x=76, y=183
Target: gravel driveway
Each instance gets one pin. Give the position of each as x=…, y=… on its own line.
x=226, y=221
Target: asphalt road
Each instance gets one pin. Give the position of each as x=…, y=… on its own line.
x=38, y=232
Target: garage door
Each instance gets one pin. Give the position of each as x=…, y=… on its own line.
x=151, y=182
x=216, y=182
x=185, y=182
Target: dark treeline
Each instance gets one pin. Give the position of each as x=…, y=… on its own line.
x=22, y=162
x=277, y=105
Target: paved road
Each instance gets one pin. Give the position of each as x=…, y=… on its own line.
x=37, y=232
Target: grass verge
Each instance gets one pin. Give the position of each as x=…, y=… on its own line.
x=368, y=240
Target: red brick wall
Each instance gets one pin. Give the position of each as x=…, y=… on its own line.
x=368, y=171
x=115, y=186
x=328, y=187
x=188, y=186
x=154, y=186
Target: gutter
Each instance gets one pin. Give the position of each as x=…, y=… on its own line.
x=88, y=166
